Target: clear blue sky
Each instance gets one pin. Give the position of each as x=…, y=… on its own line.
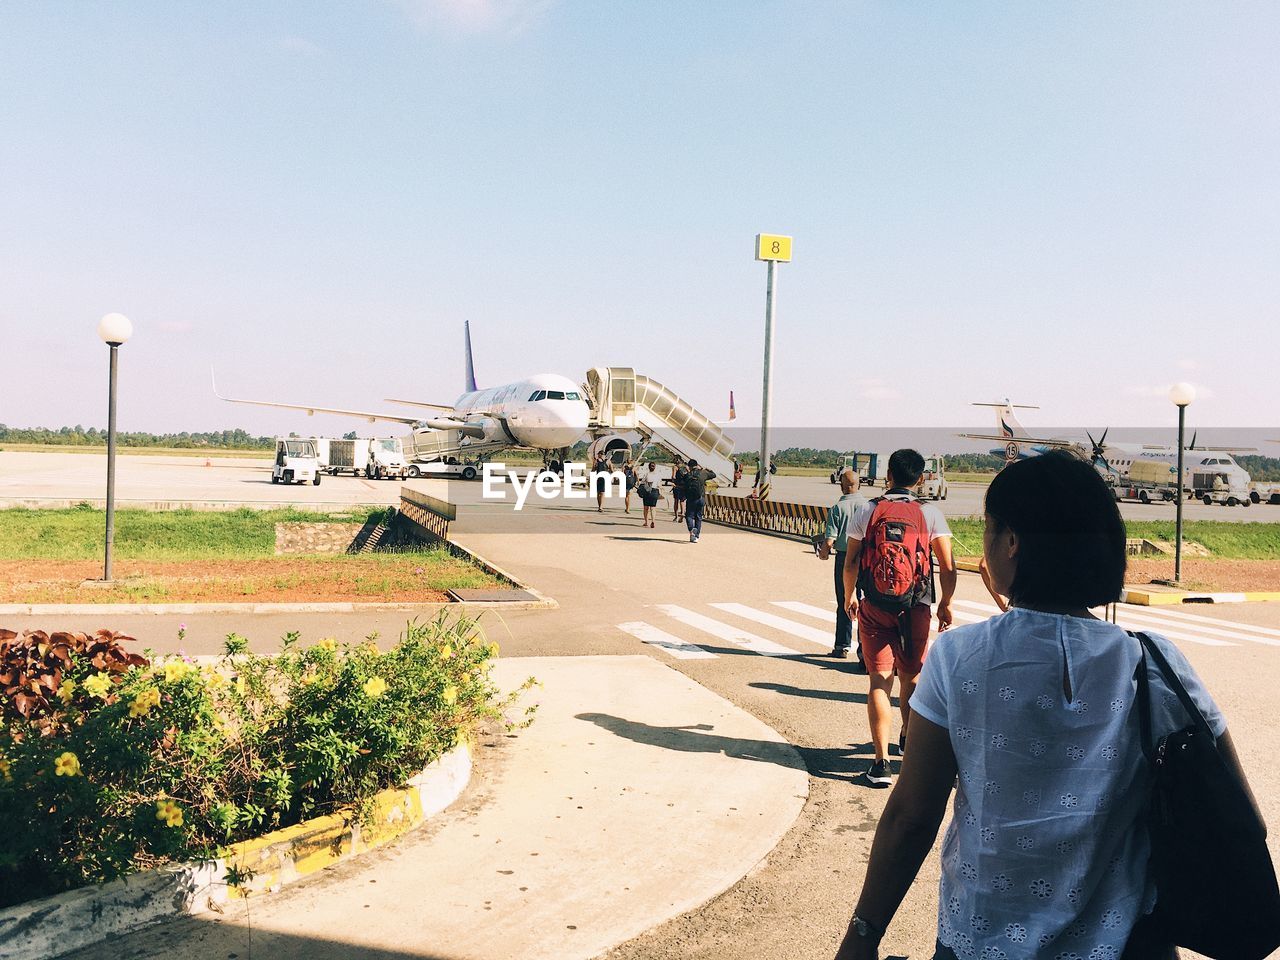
x=1072, y=204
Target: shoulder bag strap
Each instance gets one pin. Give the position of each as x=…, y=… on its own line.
x=1175, y=684
x=1144, y=700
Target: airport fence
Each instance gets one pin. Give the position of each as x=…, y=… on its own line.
x=795, y=521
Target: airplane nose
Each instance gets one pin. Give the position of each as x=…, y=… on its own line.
x=566, y=424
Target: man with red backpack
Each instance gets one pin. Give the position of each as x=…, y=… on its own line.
x=888, y=563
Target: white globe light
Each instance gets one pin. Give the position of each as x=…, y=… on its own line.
x=1182, y=394
x=115, y=328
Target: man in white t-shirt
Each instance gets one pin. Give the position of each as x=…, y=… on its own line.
x=896, y=639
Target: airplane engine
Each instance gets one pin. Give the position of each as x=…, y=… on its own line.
x=615, y=447
x=493, y=431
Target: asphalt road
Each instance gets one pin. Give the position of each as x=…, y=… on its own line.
x=39, y=479
x=746, y=616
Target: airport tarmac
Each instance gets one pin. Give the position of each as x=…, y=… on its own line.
x=56, y=479
x=749, y=618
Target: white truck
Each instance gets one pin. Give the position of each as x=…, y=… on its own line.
x=1262, y=492
x=933, y=482
x=377, y=459
x=445, y=467
x=870, y=468
x=296, y=461
x=1219, y=486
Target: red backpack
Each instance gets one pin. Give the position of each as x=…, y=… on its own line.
x=895, y=568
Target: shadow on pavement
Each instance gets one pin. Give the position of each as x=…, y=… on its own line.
x=191, y=938
x=694, y=738
x=791, y=691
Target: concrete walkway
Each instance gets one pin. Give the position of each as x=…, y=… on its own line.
x=636, y=795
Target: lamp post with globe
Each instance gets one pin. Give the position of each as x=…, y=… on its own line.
x=1181, y=394
x=114, y=329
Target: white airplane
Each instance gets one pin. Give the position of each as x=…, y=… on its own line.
x=1111, y=459
x=545, y=412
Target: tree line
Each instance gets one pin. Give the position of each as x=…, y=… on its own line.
x=79, y=436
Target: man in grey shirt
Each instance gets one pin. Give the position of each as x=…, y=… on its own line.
x=835, y=540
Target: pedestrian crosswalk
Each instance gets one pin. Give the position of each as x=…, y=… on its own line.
x=806, y=629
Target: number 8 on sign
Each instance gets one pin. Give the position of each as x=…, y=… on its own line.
x=772, y=246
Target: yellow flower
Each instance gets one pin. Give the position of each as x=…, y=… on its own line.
x=66, y=690
x=328, y=643
x=375, y=687
x=446, y=652
x=240, y=685
x=99, y=685
x=4, y=769
x=169, y=813
x=450, y=695
x=67, y=765
x=213, y=679
x=143, y=702
x=491, y=649
x=175, y=670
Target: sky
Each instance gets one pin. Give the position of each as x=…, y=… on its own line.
x=1070, y=204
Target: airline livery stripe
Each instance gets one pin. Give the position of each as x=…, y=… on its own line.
x=808, y=609
x=730, y=634
x=801, y=630
x=671, y=644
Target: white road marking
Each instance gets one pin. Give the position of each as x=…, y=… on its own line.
x=1199, y=618
x=801, y=630
x=808, y=609
x=730, y=634
x=673, y=645
x=1128, y=619
x=1172, y=628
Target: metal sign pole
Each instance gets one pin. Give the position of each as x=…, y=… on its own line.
x=770, y=293
x=1177, y=546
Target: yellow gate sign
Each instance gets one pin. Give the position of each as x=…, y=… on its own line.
x=772, y=246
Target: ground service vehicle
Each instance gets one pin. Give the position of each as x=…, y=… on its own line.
x=1148, y=481
x=1210, y=486
x=377, y=459
x=296, y=461
x=1265, y=493
x=870, y=468
x=933, y=482
x=447, y=467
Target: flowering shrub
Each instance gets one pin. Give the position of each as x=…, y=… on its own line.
x=121, y=768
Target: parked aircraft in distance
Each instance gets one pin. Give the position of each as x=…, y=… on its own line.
x=1112, y=459
x=545, y=412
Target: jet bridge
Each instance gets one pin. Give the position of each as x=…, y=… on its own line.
x=623, y=400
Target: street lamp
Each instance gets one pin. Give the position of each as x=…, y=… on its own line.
x=114, y=329
x=1181, y=395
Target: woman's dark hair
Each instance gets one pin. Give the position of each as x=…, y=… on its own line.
x=1071, y=540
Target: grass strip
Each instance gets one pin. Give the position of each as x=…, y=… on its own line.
x=1222, y=538
x=79, y=533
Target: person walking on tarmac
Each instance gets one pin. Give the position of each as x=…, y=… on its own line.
x=600, y=466
x=695, y=492
x=629, y=479
x=737, y=473
x=650, y=491
x=835, y=540
x=889, y=560
x=678, y=474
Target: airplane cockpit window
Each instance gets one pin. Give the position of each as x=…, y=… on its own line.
x=555, y=394
x=538, y=395
x=572, y=395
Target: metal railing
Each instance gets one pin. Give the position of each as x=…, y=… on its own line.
x=796, y=521
x=430, y=515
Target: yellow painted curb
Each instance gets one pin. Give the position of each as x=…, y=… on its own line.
x=970, y=565
x=278, y=858
x=1164, y=598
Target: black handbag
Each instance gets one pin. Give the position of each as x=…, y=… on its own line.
x=1216, y=890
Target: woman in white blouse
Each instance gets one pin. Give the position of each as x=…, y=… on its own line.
x=1046, y=855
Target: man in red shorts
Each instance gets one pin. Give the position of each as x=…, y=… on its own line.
x=892, y=545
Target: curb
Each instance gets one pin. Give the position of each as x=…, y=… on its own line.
x=131, y=609
x=1160, y=598
x=53, y=926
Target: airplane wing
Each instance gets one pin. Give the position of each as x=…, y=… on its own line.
x=419, y=403
x=1029, y=441
x=1200, y=446
x=310, y=409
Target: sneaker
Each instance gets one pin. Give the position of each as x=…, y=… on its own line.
x=840, y=653
x=692, y=538
x=902, y=744
x=878, y=775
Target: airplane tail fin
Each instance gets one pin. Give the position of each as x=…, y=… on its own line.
x=471, y=370
x=1007, y=424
